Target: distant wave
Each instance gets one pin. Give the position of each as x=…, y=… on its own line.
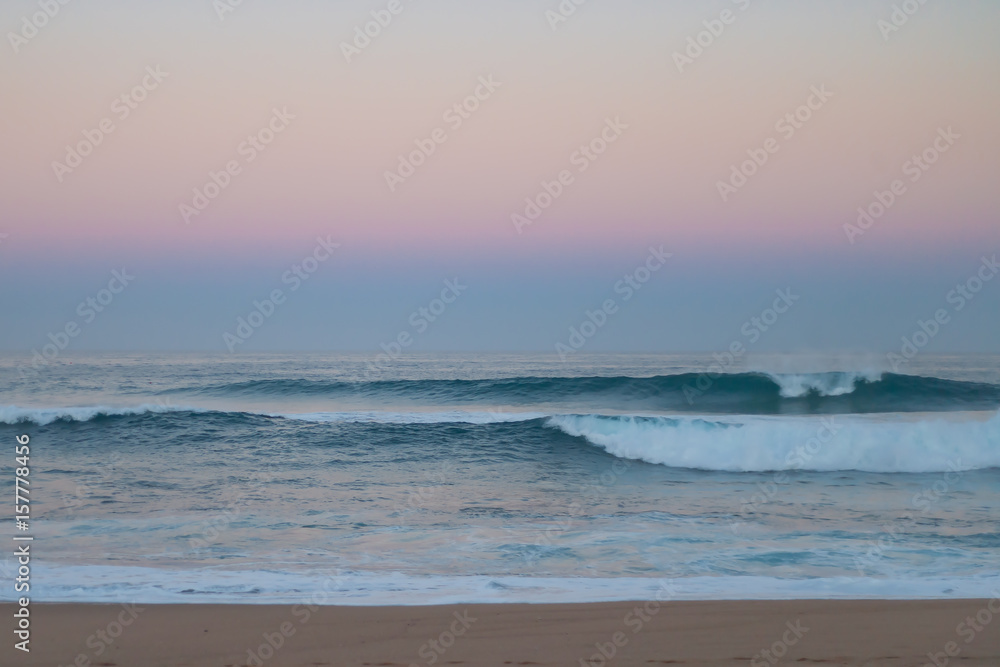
x=740, y=393
x=453, y=417
x=756, y=444
x=11, y=414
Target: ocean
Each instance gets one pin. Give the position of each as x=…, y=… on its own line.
x=450, y=478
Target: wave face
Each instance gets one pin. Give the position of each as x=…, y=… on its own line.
x=742, y=393
x=757, y=445
x=12, y=414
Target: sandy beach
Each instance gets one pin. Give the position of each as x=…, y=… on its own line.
x=846, y=632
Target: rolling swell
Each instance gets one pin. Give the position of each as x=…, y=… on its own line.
x=731, y=444
x=742, y=393
x=12, y=414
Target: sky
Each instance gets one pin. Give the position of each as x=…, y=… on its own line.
x=541, y=161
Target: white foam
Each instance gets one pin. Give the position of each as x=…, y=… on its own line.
x=795, y=385
x=101, y=583
x=11, y=414
x=753, y=444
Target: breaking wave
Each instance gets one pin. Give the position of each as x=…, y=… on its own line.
x=759, y=444
x=746, y=443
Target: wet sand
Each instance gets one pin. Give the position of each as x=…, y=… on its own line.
x=822, y=632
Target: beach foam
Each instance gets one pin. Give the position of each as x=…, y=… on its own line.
x=98, y=583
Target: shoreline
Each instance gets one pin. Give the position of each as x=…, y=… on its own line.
x=712, y=632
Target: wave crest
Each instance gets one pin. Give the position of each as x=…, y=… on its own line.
x=11, y=414
x=797, y=385
x=770, y=444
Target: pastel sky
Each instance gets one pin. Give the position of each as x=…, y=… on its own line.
x=889, y=91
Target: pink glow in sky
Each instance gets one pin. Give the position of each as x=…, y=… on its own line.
x=178, y=100
x=555, y=90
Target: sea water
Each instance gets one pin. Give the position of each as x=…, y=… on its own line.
x=489, y=477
